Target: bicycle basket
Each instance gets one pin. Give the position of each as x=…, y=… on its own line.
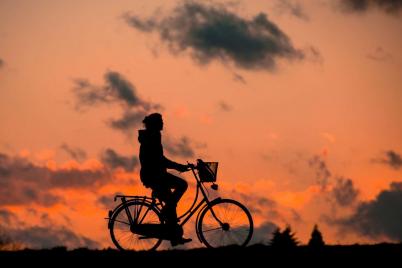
x=207, y=171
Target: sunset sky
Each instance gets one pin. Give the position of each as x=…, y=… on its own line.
x=298, y=101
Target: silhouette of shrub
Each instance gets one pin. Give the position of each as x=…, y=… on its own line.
x=316, y=240
x=285, y=239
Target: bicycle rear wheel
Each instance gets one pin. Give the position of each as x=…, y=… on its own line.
x=225, y=222
x=142, y=213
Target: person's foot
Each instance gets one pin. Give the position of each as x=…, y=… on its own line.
x=180, y=241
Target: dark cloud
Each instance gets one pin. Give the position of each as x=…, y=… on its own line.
x=322, y=173
x=7, y=217
x=46, y=235
x=116, y=90
x=114, y=160
x=182, y=147
x=266, y=208
x=107, y=201
x=313, y=55
x=296, y=216
x=225, y=106
x=22, y=182
x=291, y=7
x=38, y=237
x=215, y=33
x=379, y=54
x=128, y=121
x=260, y=205
x=344, y=192
x=391, y=158
x=263, y=233
x=379, y=217
x=238, y=78
x=123, y=90
x=1, y=63
x=76, y=153
x=389, y=6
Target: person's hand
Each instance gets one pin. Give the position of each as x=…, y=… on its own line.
x=191, y=166
x=184, y=168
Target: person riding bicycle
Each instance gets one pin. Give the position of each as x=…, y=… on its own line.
x=154, y=173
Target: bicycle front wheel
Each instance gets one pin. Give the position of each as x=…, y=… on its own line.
x=123, y=237
x=225, y=222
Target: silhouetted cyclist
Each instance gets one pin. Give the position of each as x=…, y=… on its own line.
x=154, y=173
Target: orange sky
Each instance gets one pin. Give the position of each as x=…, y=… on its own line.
x=340, y=107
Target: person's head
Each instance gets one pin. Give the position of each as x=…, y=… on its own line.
x=153, y=122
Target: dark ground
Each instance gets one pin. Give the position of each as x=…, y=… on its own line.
x=382, y=255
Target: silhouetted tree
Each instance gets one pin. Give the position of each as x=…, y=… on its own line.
x=285, y=239
x=316, y=239
x=276, y=237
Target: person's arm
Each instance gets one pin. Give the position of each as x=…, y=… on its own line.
x=173, y=165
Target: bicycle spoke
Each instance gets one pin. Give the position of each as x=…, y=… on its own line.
x=214, y=229
x=126, y=223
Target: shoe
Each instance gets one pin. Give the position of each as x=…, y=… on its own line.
x=180, y=241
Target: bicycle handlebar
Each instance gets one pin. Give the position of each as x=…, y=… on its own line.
x=191, y=165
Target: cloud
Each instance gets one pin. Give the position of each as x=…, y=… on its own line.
x=344, y=192
x=113, y=160
x=181, y=147
x=7, y=217
x=225, y=106
x=389, y=6
x=263, y=233
x=215, y=33
x=23, y=182
x=47, y=235
x=238, y=78
x=128, y=121
x=379, y=217
x=116, y=90
x=379, y=54
x=37, y=237
x=1, y=63
x=391, y=158
x=322, y=173
x=76, y=153
x=291, y=7
x=262, y=206
x=267, y=211
x=107, y=201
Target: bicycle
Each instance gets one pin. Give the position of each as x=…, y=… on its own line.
x=137, y=224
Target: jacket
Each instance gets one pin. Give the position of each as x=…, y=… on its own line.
x=153, y=163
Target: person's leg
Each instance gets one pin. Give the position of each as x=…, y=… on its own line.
x=164, y=193
x=178, y=185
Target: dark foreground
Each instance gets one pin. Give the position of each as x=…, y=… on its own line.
x=386, y=255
